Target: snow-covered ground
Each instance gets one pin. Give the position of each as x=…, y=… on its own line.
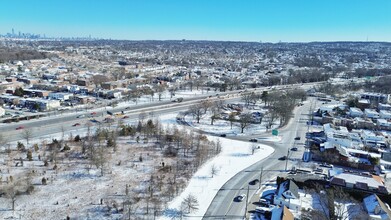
x=235, y=156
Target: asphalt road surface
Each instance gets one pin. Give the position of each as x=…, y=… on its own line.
x=223, y=205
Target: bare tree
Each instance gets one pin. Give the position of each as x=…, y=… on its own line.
x=197, y=111
x=244, y=121
x=190, y=203
x=214, y=170
x=27, y=134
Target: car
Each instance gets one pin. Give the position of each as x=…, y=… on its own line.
x=80, y=116
x=95, y=121
x=125, y=117
x=297, y=138
x=93, y=113
x=223, y=135
x=294, y=149
x=19, y=128
x=127, y=108
x=76, y=124
x=282, y=158
x=253, y=182
x=240, y=198
x=253, y=140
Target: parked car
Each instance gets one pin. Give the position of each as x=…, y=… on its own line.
x=294, y=149
x=80, y=116
x=223, y=135
x=297, y=138
x=76, y=124
x=253, y=140
x=125, y=117
x=20, y=127
x=282, y=158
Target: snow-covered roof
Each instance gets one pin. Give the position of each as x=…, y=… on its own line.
x=376, y=208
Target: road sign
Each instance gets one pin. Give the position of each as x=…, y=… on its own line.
x=275, y=132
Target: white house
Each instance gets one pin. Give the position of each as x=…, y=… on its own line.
x=355, y=112
x=337, y=135
x=287, y=194
x=383, y=123
x=382, y=106
x=385, y=114
x=371, y=113
x=62, y=96
x=372, y=139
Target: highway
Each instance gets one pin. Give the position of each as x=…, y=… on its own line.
x=223, y=205
x=63, y=121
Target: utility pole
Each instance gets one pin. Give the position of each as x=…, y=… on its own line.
x=245, y=210
x=260, y=178
x=286, y=160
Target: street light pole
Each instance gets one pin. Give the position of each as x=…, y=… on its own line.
x=245, y=210
x=260, y=178
x=286, y=160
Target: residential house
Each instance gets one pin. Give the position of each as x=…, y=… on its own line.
x=287, y=194
x=62, y=96
x=362, y=181
x=376, y=208
x=376, y=97
x=371, y=113
x=355, y=112
x=385, y=114
x=282, y=213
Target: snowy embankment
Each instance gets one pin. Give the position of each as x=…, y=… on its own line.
x=235, y=156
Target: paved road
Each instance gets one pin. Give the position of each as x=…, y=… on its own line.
x=63, y=121
x=223, y=205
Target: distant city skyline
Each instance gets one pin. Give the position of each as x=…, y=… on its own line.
x=226, y=20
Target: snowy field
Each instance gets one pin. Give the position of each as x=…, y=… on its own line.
x=63, y=193
x=235, y=156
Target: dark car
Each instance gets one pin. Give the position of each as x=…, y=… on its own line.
x=223, y=135
x=253, y=140
x=282, y=158
x=95, y=121
x=253, y=182
x=294, y=149
x=20, y=127
x=297, y=138
x=76, y=124
x=240, y=198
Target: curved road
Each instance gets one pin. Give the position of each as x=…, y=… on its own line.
x=223, y=205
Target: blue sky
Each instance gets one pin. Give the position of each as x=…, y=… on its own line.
x=236, y=20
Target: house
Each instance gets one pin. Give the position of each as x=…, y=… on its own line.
x=371, y=113
x=362, y=181
x=60, y=96
x=287, y=194
x=282, y=213
x=383, y=124
x=355, y=112
x=385, y=114
x=382, y=106
x=376, y=209
x=376, y=97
